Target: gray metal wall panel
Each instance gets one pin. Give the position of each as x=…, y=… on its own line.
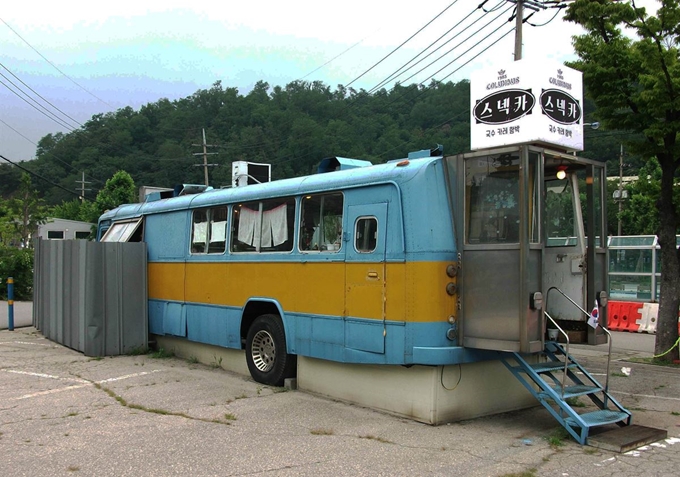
x=92, y=296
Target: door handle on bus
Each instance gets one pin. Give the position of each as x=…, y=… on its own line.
x=372, y=274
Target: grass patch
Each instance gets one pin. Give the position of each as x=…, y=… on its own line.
x=557, y=437
x=193, y=359
x=675, y=413
x=96, y=358
x=526, y=473
x=162, y=353
x=217, y=362
x=376, y=438
x=71, y=414
x=574, y=402
x=590, y=450
x=320, y=431
x=655, y=362
x=162, y=412
x=229, y=416
x=138, y=351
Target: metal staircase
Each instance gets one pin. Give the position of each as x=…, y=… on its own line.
x=558, y=378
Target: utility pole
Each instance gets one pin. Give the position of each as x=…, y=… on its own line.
x=82, y=189
x=519, y=19
x=535, y=6
x=205, y=154
x=620, y=188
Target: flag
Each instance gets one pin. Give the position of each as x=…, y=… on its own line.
x=594, y=319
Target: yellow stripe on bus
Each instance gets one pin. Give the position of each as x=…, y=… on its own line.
x=413, y=291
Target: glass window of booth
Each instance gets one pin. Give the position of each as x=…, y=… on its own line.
x=492, y=199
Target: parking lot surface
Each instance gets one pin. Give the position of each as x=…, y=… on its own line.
x=62, y=413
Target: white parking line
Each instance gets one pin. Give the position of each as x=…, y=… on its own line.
x=26, y=342
x=645, y=396
x=84, y=382
x=41, y=375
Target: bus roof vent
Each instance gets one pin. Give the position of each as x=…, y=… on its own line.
x=331, y=164
x=434, y=152
x=189, y=189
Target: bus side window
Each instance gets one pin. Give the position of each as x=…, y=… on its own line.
x=266, y=226
x=209, y=230
x=321, y=223
x=199, y=231
x=366, y=234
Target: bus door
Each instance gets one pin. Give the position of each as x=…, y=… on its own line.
x=365, y=242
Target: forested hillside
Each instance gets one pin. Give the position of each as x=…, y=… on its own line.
x=291, y=127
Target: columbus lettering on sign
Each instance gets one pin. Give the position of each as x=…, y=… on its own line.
x=527, y=102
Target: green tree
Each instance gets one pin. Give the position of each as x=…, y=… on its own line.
x=120, y=189
x=635, y=84
x=22, y=214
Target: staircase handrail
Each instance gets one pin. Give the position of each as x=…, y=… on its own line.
x=566, y=360
x=609, y=335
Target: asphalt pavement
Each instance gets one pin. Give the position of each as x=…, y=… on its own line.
x=62, y=413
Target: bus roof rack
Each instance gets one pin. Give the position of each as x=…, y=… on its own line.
x=331, y=164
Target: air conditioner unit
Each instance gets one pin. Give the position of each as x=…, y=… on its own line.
x=246, y=173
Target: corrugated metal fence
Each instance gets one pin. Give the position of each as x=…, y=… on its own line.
x=91, y=296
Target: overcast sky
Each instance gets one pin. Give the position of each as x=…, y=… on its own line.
x=129, y=53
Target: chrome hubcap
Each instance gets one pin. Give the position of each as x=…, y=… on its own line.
x=263, y=351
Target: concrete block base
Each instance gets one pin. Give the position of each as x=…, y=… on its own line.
x=429, y=394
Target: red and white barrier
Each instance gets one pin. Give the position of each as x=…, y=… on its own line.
x=649, y=313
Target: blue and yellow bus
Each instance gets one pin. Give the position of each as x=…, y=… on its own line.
x=427, y=260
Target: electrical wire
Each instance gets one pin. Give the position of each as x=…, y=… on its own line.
x=40, y=96
x=543, y=24
x=399, y=71
x=55, y=66
x=44, y=179
x=459, y=44
x=402, y=44
x=48, y=114
x=49, y=152
x=334, y=58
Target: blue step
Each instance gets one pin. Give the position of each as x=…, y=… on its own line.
x=576, y=390
x=599, y=418
x=549, y=366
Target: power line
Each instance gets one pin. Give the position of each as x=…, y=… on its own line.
x=55, y=66
x=407, y=68
x=403, y=43
x=41, y=177
x=49, y=152
x=40, y=96
x=48, y=114
x=459, y=44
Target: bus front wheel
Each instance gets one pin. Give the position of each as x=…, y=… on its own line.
x=266, y=355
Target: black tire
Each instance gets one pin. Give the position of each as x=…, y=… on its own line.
x=266, y=355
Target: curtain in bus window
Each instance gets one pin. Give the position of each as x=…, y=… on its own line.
x=247, y=226
x=218, y=231
x=275, y=226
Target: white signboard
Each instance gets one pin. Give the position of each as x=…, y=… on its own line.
x=527, y=102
